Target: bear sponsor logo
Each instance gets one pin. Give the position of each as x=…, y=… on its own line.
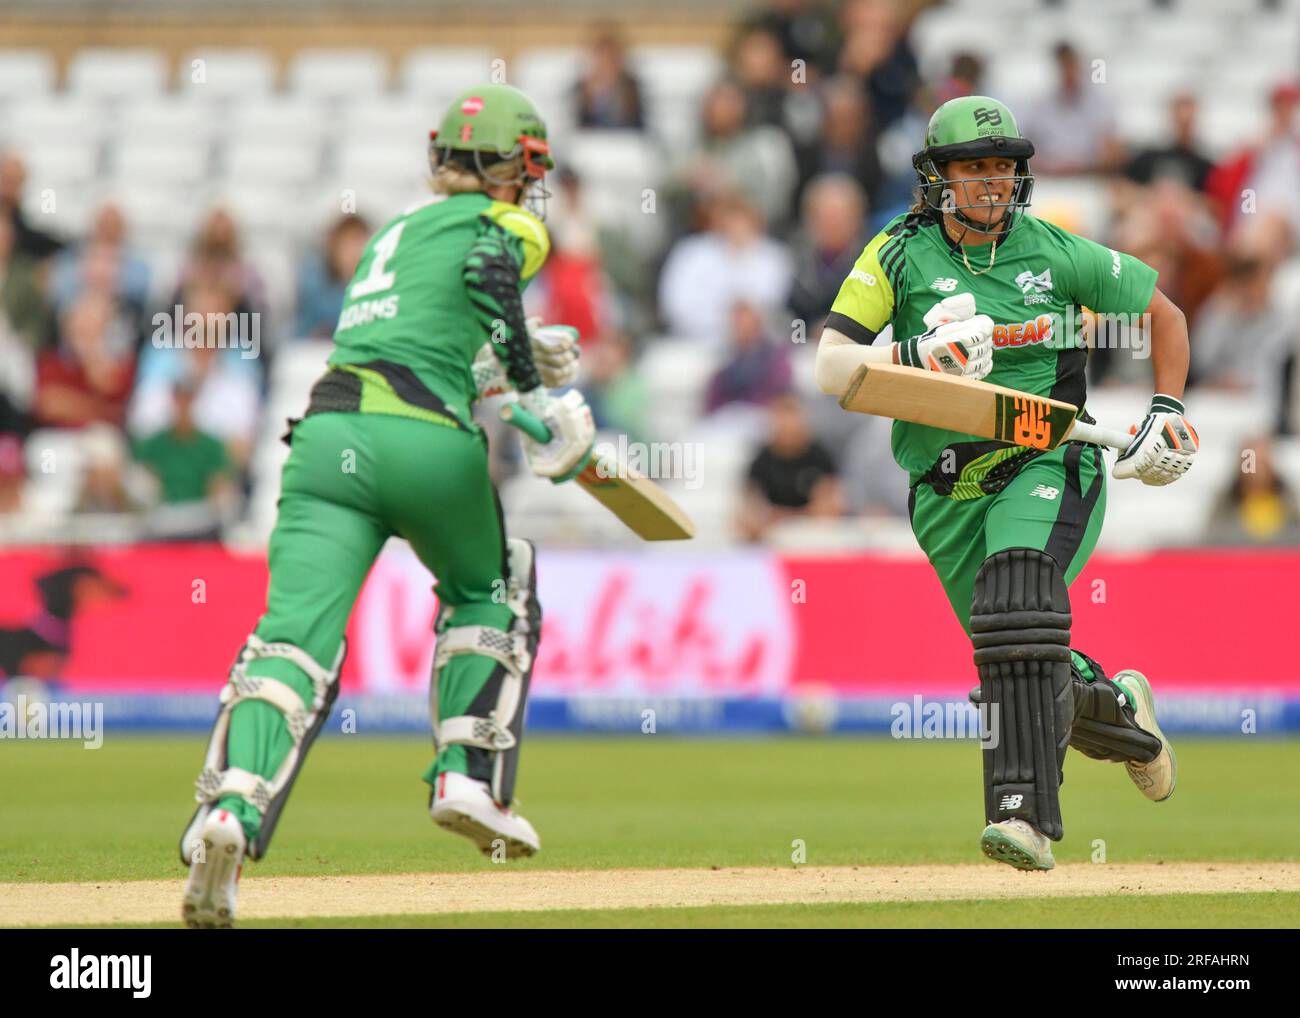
x=1036, y=330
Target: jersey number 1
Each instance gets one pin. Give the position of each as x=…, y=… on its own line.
x=377, y=280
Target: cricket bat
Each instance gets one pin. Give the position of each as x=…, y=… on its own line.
x=636, y=500
x=971, y=407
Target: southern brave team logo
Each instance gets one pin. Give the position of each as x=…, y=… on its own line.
x=1029, y=283
x=986, y=115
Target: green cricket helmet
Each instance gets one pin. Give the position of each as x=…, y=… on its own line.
x=489, y=125
x=973, y=127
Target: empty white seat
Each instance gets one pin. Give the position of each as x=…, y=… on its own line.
x=262, y=162
x=67, y=119
x=60, y=163
x=161, y=161
x=547, y=69
x=117, y=73
x=338, y=73
x=283, y=121
x=226, y=73
x=676, y=70
x=442, y=72
x=385, y=166
x=25, y=74
x=165, y=121
x=387, y=121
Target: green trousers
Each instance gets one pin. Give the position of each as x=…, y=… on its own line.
x=352, y=481
x=1054, y=504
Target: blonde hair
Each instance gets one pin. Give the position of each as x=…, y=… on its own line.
x=451, y=177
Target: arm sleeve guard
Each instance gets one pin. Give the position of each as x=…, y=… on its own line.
x=492, y=276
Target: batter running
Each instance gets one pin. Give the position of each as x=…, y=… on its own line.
x=974, y=285
x=387, y=448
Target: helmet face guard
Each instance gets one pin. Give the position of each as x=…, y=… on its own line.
x=534, y=159
x=938, y=192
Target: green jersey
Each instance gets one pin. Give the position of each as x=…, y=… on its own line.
x=433, y=285
x=1041, y=278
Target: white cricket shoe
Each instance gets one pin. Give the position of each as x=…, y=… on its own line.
x=210, y=892
x=1017, y=843
x=1156, y=780
x=466, y=807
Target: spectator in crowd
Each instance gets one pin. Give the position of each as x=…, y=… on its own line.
x=1242, y=338
x=1259, y=507
x=792, y=476
x=761, y=70
x=846, y=143
x=26, y=327
x=571, y=287
x=1073, y=128
x=805, y=29
x=875, y=486
x=189, y=464
x=1170, y=228
x=87, y=377
x=758, y=367
x=103, y=484
x=705, y=274
x=617, y=395
x=103, y=261
x=965, y=77
x=832, y=236
x=216, y=264
x=758, y=161
x=227, y=395
x=608, y=94
x=12, y=470
x=323, y=278
x=877, y=52
x=1253, y=181
x=28, y=240
x=1181, y=158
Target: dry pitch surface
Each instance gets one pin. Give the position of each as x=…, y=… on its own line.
x=501, y=890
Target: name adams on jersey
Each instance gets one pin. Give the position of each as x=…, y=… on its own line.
x=1042, y=276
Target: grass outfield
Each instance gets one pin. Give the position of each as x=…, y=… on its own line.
x=116, y=813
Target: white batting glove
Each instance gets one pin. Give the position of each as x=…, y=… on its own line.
x=573, y=431
x=957, y=308
x=958, y=346
x=1163, y=447
x=555, y=352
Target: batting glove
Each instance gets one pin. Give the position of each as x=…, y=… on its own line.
x=573, y=432
x=959, y=347
x=1163, y=446
x=555, y=352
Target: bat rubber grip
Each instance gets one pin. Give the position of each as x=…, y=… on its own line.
x=516, y=416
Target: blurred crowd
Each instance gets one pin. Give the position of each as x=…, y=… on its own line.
x=801, y=152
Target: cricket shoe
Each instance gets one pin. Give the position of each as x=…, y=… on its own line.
x=210, y=892
x=1016, y=843
x=1156, y=779
x=464, y=806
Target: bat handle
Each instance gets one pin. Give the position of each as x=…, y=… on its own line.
x=516, y=416
x=1096, y=434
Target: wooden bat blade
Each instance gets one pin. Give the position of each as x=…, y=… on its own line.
x=647, y=509
x=964, y=405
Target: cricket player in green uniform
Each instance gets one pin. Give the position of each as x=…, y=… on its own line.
x=387, y=447
x=974, y=285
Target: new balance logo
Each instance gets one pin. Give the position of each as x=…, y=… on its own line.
x=1043, y=491
x=1011, y=801
x=944, y=284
